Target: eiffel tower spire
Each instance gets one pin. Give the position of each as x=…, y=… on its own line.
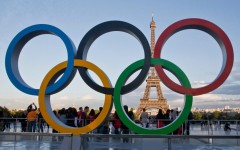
x=153, y=80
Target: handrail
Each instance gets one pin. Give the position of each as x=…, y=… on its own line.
x=214, y=120
x=83, y=136
x=160, y=136
x=122, y=135
x=36, y=134
x=168, y=137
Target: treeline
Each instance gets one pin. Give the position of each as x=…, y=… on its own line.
x=216, y=115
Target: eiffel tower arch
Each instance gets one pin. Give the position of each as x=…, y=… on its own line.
x=153, y=81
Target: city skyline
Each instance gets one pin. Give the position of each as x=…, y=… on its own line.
x=195, y=52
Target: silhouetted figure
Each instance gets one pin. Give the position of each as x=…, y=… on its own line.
x=159, y=119
x=187, y=124
x=227, y=127
x=23, y=120
x=125, y=129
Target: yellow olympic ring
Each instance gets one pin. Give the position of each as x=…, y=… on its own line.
x=45, y=106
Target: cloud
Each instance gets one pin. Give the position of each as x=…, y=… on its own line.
x=208, y=97
x=87, y=97
x=64, y=98
x=197, y=84
x=212, y=100
x=217, y=104
x=230, y=89
x=232, y=85
x=235, y=74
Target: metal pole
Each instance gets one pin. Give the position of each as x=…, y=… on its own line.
x=208, y=131
x=238, y=127
x=208, y=127
x=169, y=144
x=71, y=143
x=82, y=143
x=15, y=140
x=15, y=125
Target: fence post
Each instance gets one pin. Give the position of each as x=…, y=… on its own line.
x=71, y=142
x=15, y=140
x=15, y=125
x=238, y=128
x=82, y=142
x=169, y=144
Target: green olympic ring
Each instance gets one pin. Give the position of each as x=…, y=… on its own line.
x=118, y=100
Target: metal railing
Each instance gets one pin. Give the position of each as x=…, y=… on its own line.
x=196, y=127
x=167, y=141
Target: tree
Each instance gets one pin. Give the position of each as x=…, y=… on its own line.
x=6, y=112
x=215, y=115
x=197, y=115
x=237, y=116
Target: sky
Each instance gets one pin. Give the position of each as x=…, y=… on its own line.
x=194, y=51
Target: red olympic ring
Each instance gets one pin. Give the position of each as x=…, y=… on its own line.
x=217, y=33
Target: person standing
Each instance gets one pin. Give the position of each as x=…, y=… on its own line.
x=187, y=123
x=116, y=123
x=80, y=122
x=159, y=119
x=23, y=121
x=40, y=121
x=167, y=118
x=62, y=115
x=87, y=119
x=144, y=118
x=92, y=115
x=32, y=117
x=100, y=129
x=1, y=121
x=125, y=129
x=84, y=117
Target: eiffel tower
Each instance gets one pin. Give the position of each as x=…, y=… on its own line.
x=152, y=81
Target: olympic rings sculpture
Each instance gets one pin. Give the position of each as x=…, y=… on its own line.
x=77, y=61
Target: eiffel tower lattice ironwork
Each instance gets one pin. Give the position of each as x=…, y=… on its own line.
x=152, y=81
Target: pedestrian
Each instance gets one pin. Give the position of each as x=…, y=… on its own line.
x=167, y=118
x=56, y=114
x=186, y=127
x=32, y=117
x=62, y=115
x=159, y=119
x=125, y=129
x=144, y=118
x=100, y=128
x=116, y=123
x=80, y=122
x=40, y=121
x=92, y=115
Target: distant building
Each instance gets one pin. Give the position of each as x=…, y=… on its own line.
x=227, y=107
